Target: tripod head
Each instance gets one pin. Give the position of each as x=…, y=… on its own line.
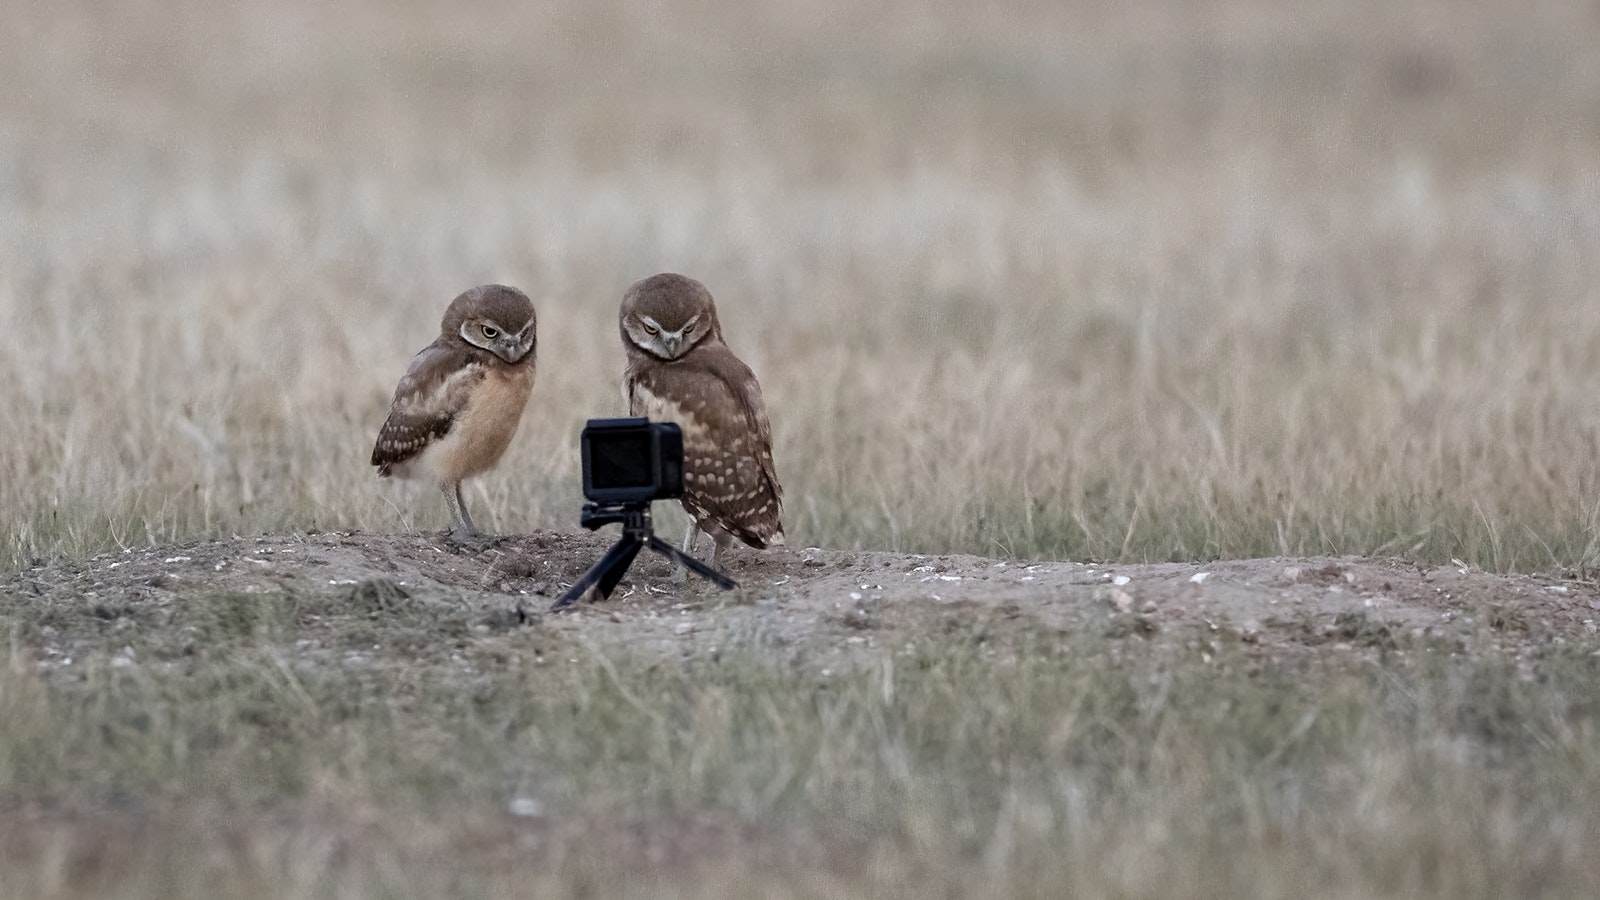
x=631, y=516
x=637, y=534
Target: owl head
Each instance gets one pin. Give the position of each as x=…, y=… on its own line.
x=495, y=318
x=668, y=315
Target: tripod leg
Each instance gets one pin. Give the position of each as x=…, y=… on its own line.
x=694, y=565
x=605, y=573
x=609, y=579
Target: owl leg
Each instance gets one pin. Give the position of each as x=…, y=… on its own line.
x=466, y=517
x=460, y=522
x=681, y=572
x=719, y=542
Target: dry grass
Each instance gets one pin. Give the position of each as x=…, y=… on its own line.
x=200, y=749
x=1182, y=280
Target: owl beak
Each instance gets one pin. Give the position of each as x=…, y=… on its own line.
x=521, y=345
x=510, y=351
x=673, y=341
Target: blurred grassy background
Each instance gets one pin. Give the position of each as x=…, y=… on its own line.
x=1135, y=281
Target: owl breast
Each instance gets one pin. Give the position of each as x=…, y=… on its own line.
x=725, y=470
x=641, y=402
x=483, y=430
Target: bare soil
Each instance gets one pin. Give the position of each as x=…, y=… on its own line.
x=830, y=608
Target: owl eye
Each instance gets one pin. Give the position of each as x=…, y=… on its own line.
x=688, y=329
x=650, y=329
x=490, y=332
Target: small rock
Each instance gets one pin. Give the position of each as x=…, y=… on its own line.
x=1199, y=577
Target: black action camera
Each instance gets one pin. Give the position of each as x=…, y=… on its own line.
x=631, y=461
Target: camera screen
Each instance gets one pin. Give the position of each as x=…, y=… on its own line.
x=621, y=460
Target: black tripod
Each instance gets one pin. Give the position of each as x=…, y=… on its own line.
x=636, y=535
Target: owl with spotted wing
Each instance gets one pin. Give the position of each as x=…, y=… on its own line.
x=680, y=370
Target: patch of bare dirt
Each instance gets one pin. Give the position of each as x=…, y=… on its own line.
x=835, y=607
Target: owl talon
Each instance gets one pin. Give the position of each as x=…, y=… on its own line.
x=467, y=539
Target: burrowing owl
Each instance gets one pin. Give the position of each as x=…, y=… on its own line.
x=679, y=370
x=461, y=398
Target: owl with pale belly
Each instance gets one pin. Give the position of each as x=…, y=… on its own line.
x=460, y=401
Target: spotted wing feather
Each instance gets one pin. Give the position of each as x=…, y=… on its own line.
x=433, y=392
x=729, y=476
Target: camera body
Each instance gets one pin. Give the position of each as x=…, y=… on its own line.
x=631, y=461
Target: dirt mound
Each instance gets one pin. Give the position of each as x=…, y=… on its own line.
x=834, y=607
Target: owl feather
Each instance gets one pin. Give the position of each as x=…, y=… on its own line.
x=432, y=393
